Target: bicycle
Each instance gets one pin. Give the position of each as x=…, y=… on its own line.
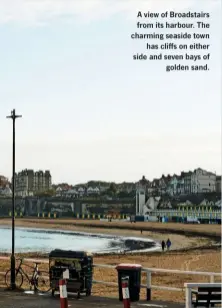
x=39, y=279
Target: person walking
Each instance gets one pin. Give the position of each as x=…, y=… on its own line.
x=163, y=245
x=168, y=244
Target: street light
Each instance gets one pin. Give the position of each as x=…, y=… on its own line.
x=13, y=116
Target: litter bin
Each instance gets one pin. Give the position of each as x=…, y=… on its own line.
x=133, y=271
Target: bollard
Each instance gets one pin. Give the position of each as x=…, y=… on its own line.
x=63, y=294
x=125, y=291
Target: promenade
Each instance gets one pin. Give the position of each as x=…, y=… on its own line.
x=22, y=300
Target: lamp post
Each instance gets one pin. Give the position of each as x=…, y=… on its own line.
x=13, y=116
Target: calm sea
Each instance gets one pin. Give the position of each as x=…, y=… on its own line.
x=44, y=240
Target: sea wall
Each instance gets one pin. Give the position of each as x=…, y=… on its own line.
x=32, y=206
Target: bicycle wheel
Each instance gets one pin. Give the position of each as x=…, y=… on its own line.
x=18, y=279
x=42, y=282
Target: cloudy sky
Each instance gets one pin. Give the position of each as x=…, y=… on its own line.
x=90, y=111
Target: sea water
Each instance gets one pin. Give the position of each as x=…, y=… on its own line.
x=44, y=240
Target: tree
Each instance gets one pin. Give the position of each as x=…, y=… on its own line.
x=47, y=193
x=50, y=192
x=113, y=188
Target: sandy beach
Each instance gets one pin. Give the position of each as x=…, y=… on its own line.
x=196, y=252
x=182, y=236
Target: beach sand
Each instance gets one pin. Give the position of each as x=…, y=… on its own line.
x=185, y=254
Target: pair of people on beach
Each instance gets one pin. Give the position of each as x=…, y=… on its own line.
x=166, y=244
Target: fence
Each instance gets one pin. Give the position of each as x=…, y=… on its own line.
x=148, y=286
x=189, y=211
x=74, y=215
x=149, y=272
x=212, y=215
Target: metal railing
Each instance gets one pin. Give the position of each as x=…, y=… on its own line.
x=213, y=214
x=148, y=286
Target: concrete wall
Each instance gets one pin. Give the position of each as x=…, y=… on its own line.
x=33, y=206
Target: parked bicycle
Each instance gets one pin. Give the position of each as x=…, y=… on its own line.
x=39, y=279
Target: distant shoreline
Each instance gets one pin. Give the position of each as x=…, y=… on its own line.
x=213, y=230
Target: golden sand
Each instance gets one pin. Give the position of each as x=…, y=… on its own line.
x=196, y=259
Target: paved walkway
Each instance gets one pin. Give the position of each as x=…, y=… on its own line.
x=21, y=300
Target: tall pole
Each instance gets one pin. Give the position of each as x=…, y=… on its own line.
x=13, y=116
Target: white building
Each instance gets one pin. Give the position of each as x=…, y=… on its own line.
x=58, y=191
x=71, y=193
x=81, y=191
x=140, y=200
x=94, y=191
x=203, y=181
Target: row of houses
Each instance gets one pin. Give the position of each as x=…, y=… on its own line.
x=96, y=189
x=198, y=181
x=28, y=182
x=192, y=182
x=76, y=192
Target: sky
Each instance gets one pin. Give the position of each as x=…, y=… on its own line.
x=89, y=112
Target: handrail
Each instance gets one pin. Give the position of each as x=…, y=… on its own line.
x=26, y=259
x=144, y=269
x=162, y=270
x=202, y=284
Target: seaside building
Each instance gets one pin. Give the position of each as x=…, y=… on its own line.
x=28, y=182
x=203, y=181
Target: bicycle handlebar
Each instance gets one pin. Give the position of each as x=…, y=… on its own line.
x=19, y=259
